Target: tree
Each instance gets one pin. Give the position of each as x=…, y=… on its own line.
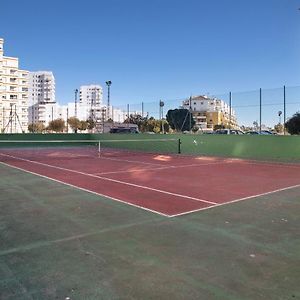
x=195, y=129
x=279, y=128
x=57, y=125
x=38, y=127
x=179, y=119
x=91, y=124
x=83, y=125
x=74, y=123
x=293, y=124
x=220, y=126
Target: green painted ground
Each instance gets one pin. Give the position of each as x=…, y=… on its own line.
x=58, y=242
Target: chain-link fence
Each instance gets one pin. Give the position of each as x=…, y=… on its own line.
x=258, y=109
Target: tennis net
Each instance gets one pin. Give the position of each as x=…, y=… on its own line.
x=72, y=149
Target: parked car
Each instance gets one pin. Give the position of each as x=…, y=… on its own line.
x=229, y=131
x=124, y=130
x=263, y=132
x=266, y=132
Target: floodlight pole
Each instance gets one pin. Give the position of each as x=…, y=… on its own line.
x=76, y=92
x=108, y=83
x=161, y=112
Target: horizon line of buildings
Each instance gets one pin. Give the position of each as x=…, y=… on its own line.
x=29, y=97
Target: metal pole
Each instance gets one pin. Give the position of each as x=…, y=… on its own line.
x=3, y=119
x=284, y=110
x=76, y=92
x=230, y=100
x=108, y=101
x=179, y=146
x=108, y=83
x=162, y=120
x=15, y=118
x=11, y=118
x=67, y=119
x=142, y=109
x=260, y=101
x=127, y=115
x=190, y=113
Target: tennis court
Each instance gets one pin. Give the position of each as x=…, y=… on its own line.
x=168, y=184
x=138, y=220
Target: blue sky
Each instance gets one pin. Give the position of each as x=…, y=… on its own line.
x=152, y=50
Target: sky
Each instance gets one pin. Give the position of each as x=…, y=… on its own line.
x=158, y=49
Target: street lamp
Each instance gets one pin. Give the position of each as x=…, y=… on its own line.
x=108, y=83
x=161, y=107
x=279, y=115
x=76, y=92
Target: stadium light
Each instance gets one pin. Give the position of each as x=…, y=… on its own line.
x=108, y=83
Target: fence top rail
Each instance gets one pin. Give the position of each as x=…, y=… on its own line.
x=87, y=141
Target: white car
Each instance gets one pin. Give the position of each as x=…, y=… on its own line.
x=228, y=131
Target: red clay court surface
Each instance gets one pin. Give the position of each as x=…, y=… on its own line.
x=170, y=185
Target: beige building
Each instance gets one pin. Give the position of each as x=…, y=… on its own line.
x=208, y=112
x=13, y=94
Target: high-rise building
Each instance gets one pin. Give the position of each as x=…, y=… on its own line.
x=13, y=94
x=90, y=101
x=42, y=103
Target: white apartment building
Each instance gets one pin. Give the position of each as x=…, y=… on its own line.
x=13, y=94
x=42, y=103
x=90, y=101
x=208, y=112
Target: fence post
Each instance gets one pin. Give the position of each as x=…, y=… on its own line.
x=284, y=110
x=260, y=100
x=127, y=115
x=230, y=98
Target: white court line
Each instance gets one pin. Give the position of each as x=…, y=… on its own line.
x=112, y=180
x=86, y=190
x=269, y=164
x=131, y=161
x=161, y=168
x=237, y=200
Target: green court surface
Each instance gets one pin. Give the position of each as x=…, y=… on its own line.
x=58, y=242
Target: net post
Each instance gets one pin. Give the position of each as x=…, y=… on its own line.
x=179, y=146
x=99, y=148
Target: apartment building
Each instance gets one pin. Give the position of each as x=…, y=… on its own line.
x=90, y=101
x=42, y=103
x=13, y=94
x=208, y=112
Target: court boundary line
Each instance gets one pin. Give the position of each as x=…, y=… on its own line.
x=112, y=180
x=161, y=168
x=130, y=161
x=86, y=190
x=237, y=200
x=47, y=243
